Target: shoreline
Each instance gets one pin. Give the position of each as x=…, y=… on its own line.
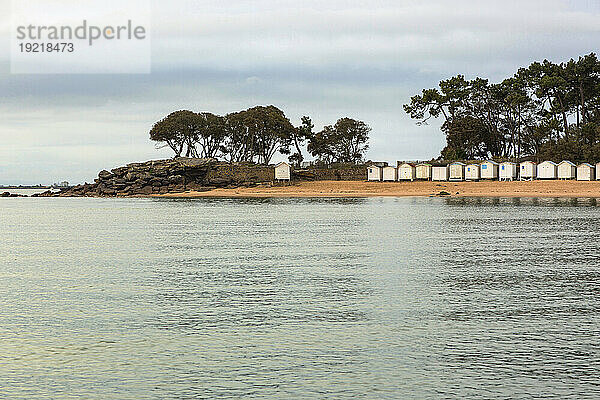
x=362, y=189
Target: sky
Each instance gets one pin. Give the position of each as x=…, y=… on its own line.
x=327, y=60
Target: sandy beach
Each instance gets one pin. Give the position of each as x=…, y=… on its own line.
x=408, y=189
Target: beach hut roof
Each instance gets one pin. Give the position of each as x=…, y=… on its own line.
x=424, y=164
x=282, y=163
x=528, y=162
x=509, y=163
x=490, y=162
x=458, y=163
x=549, y=162
x=567, y=162
x=407, y=163
x=586, y=165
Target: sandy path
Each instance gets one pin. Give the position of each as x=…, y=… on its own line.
x=406, y=189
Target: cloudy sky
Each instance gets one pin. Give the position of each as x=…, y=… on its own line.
x=362, y=59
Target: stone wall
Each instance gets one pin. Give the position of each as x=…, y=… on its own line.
x=358, y=173
x=239, y=174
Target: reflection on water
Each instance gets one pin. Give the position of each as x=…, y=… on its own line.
x=519, y=201
x=305, y=298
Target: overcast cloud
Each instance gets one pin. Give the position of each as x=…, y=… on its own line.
x=362, y=59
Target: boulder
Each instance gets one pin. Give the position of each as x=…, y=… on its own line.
x=145, y=190
x=175, y=179
x=104, y=174
x=119, y=171
x=219, y=181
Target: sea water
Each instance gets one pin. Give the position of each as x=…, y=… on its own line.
x=299, y=298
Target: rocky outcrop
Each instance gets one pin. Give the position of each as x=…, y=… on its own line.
x=8, y=194
x=184, y=174
x=169, y=176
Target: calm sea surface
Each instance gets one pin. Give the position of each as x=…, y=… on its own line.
x=365, y=298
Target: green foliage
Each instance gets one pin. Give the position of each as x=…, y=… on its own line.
x=344, y=142
x=177, y=130
x=543, y=110
x=299, y=137
x=256, y=134
x=582, y=145
x=270, y=129
x=467, y=139
x=210, y=136
x=199, y=134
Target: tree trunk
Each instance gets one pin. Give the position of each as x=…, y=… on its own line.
x=300, y=157
x=582, y=103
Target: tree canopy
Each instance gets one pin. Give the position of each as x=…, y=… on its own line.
x=344, y=142
x=257, y=134
x=546, y=110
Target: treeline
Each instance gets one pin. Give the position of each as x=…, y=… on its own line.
x=545, y=111
x=257, y=134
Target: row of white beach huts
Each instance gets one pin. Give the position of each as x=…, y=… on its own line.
x=487, y=170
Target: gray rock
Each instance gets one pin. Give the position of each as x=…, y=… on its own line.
x=104, y=174
x=145, y=190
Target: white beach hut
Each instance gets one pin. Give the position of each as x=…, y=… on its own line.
x=586, y=172
x=472, y=172
x=508, y=171
x=440, y=173
x=489, y=170
x=547, y=170
x=598, y=171
x=390, y=174
x=457, y=171
x=283, y=172
x=374, y=173
x=424, y=171
x=567, y=170
x=407, y=172
x=528, y=170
